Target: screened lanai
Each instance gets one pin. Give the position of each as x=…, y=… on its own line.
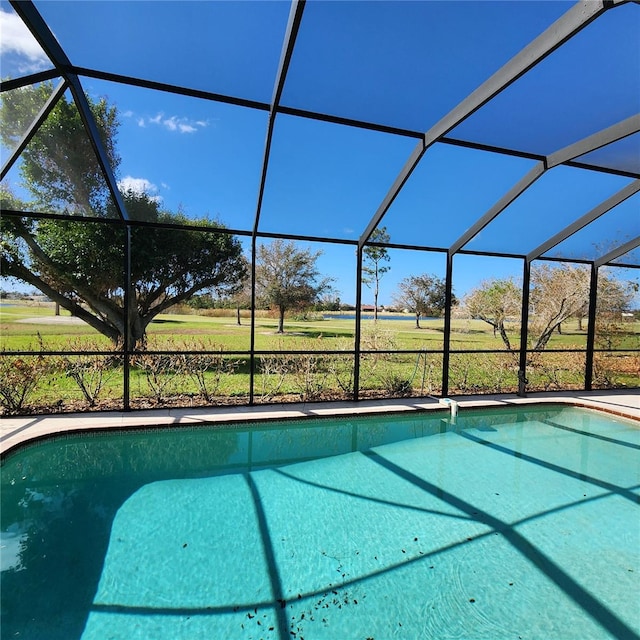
x=156, y=156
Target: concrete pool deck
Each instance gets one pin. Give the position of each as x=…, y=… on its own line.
x=20, y=429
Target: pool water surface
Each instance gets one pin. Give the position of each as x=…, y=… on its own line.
x=506, y=524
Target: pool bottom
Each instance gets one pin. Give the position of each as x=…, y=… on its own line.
x=499, y=528
x=460, y=541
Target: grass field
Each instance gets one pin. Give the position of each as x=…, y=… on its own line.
x=22, y=324
x=190, y=377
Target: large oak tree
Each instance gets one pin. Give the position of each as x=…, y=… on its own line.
x=81, y=265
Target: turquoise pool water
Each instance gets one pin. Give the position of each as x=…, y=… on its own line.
x=504, y=525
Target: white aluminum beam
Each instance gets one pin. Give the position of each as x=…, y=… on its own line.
x=619, y=251
x=41, y=32
x=34, y=126
x=586, y=145
x=516, y=191
x=575, y=19
x=586, y=219
x=596, y=141
x=293, y=26
x=93, y=133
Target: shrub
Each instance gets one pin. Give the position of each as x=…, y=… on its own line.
x=305, y=374
x=396, y=385
x=274, y=369
x=19, y=377
x=206, y=370
x=89, y=372
x=341, y=367
x=483, y=372
x=553, y=371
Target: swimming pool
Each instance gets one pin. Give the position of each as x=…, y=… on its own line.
x=505, y=524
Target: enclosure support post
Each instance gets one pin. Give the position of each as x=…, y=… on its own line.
x=591, y=328
x=524, y=329
x=252, y=339
x=126, y=343
x=448, y=297
x=356, y=346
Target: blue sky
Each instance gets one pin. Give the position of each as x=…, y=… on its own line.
x=327, y=180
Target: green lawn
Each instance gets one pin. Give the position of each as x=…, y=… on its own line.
x=24, y=325
x=73, y=381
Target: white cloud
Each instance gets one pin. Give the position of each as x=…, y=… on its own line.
x=172, y=123
x=17, y=39
x=175, y=123
x=139, y=186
